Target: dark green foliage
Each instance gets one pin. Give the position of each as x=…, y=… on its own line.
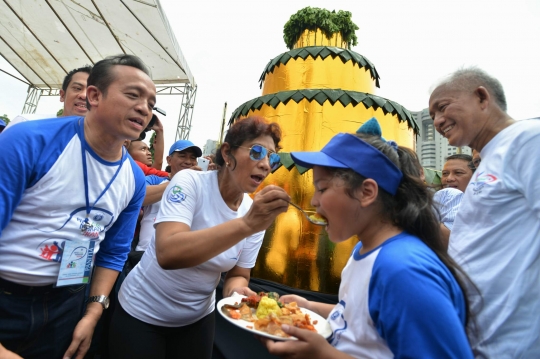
x=5, y=118
x=323, y=52
x=151, y=147
x=346, y=98
x=330, y=22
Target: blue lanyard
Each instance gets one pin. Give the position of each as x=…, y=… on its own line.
x=86, y=223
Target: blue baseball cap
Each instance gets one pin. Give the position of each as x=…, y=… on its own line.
x=2, y=123
x=181, y=145
x=348, y=151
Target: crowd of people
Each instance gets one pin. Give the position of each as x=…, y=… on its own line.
x=89, y=244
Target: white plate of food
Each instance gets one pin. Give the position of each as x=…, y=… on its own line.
x=243, y=314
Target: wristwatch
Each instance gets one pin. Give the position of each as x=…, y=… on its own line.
x=101, y=299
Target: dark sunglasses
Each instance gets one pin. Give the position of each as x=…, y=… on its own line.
x=258, y=152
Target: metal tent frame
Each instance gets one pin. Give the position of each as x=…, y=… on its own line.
x=44, y=39
x=185, y=116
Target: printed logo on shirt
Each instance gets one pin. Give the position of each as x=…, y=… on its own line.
x=98, y=221
x=238, y=255
x=176, y=195
x=482, y=179
x=51, y=250
x=89, y=228
x=338, y=323
x=78, y=254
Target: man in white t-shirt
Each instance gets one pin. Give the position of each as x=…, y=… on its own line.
x=496, y=234
x=72, y=94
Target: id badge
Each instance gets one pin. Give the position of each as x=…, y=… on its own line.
x=76, y=264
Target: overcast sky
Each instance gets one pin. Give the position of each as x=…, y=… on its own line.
x=227, y=44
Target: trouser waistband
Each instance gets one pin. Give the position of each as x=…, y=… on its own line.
x=15, y=288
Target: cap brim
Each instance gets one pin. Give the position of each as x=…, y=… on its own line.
x=310, y=159
x=198, y=151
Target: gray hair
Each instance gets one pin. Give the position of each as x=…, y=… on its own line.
x=465, y=78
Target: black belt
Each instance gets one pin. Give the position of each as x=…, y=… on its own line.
x=15, y=288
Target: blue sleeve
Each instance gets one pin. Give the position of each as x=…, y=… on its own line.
x=153, y=180
x=116, y=245
x=417, y=306
x=29, y=150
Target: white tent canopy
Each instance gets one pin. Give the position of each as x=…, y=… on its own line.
x=45, y=39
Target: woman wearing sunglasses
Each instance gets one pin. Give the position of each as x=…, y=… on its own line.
x=207, y=224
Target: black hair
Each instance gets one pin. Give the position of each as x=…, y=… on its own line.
x=460, y=156
x=411, y=209
x=247, y=129
x=102, y=74
x=409, y=161
x=463, y=157
x=69, y=76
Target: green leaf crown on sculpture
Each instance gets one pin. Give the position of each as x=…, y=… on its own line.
x=329, y=22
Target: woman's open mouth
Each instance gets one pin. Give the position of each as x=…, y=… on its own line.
x=257, y=179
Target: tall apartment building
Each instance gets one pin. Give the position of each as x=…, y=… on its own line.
x=432, y=148
x=209, y=147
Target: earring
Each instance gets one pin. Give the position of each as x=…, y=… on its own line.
x=228, y=163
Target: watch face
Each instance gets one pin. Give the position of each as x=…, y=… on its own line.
x=101, y=299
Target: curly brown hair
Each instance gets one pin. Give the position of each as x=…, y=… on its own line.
x=247, y=129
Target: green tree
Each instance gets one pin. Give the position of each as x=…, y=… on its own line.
x=5, y=118
x=152, y=140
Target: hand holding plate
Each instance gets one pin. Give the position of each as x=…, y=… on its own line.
x=308, y=346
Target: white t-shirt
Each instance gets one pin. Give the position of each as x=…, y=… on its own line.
x=496, y=240
x=28, y=117
x=175, y=298
x=150, y=212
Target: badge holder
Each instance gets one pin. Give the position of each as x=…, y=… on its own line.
x=77, y=263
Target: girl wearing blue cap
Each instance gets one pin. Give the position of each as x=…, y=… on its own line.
x=400, y=294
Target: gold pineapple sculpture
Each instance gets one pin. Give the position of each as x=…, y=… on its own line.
x=314, y=91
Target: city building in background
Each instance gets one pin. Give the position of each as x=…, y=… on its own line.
x=210, y=147
x=432, y=148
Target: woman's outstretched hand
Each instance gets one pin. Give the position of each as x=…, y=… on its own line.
x=267, y=204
